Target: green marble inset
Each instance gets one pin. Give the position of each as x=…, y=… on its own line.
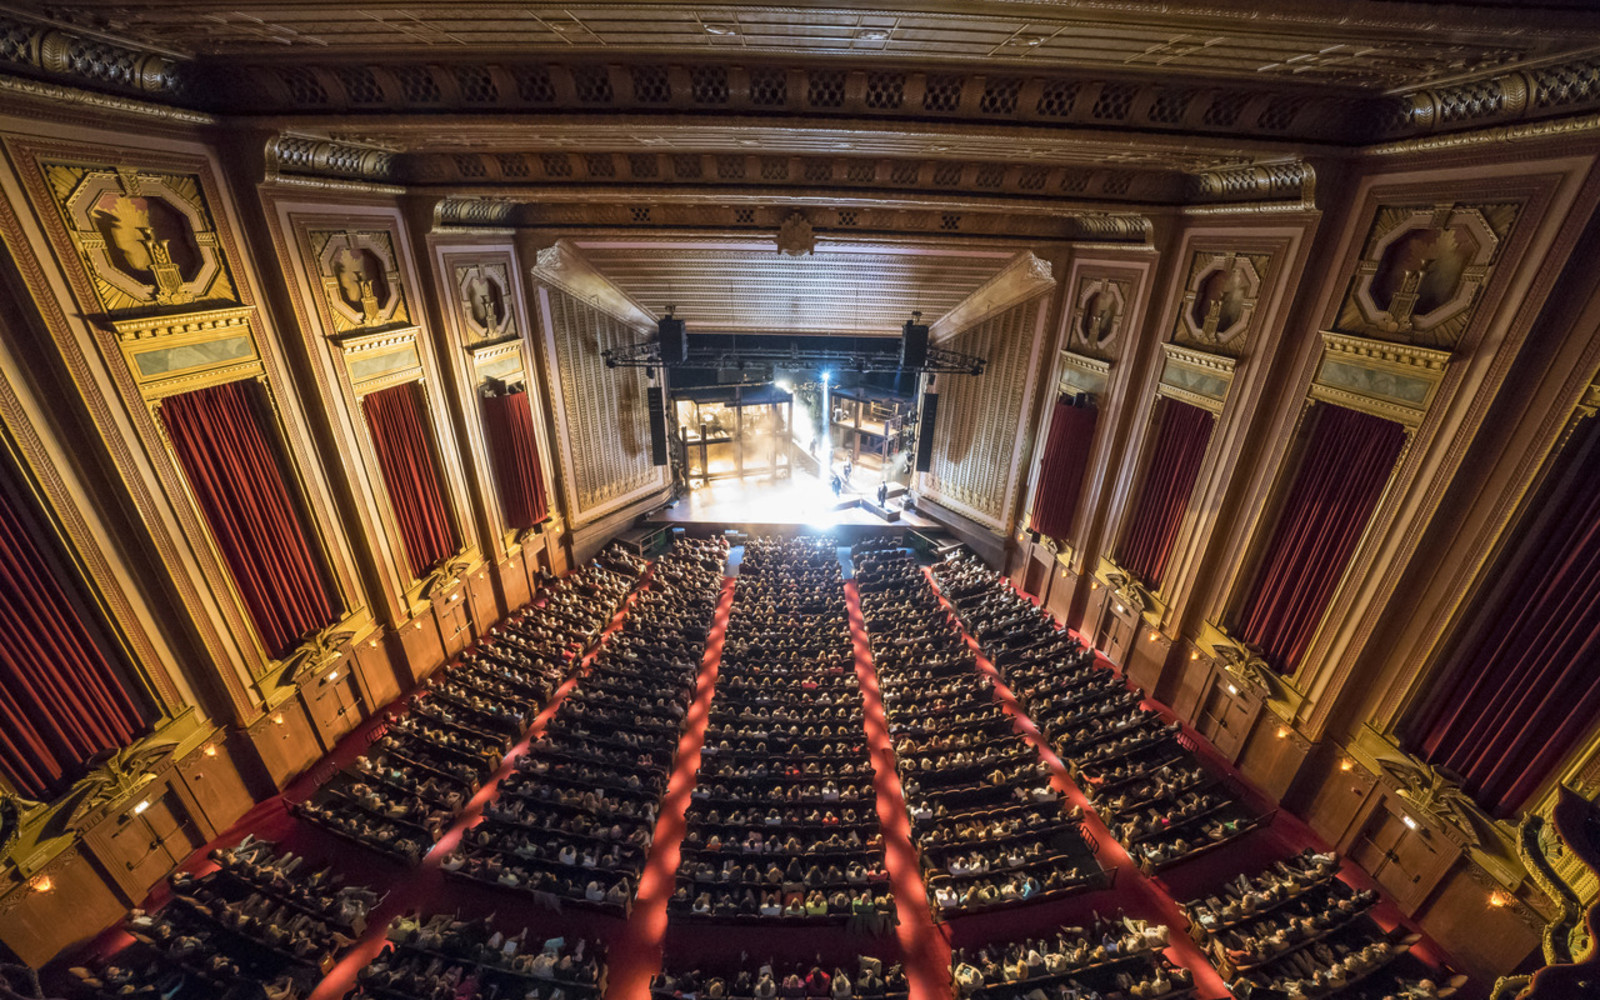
x=1196, y=381
x=507, y=366
x=365, y=366
x=1379, y=383
x=1079, y=380
x=164, y=360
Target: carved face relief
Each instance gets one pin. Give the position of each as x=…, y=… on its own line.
x=1098, y=314
x=147, y=239
x=360, y=279
x=1422, y=271
x=1221, y=300
x=485, y=299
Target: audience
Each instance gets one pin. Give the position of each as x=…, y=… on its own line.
x=1138, y=769
x=445, y=958
x=782, y=824
x=1111, y=959
x=991, y=829
x=572, y=825
x=866, y=978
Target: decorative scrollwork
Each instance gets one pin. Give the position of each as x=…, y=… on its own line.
x=116, y=775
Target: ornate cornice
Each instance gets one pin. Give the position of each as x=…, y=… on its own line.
x=474, y=212
x=302, y=154
x=564, y=267
x=1502, y=96
x=1294, y=182
x=1023, y=277
x=84, y=58
x=58, y=95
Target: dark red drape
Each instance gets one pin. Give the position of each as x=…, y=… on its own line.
x=1523, y=687
x=508, y=423
x=238, y=484
x=1066, y=455
x=61, y=699
x=1343, y=469
x=1182, y=433
x=395, y=418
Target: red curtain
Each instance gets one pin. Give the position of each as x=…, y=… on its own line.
x=1522, y=686
x=1066, y=455
x=1182, y=433
x=61, y=699
x=1345, y=465
x=239, y=486
x=395, y=418
x=508, y=424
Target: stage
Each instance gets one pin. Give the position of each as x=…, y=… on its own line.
x=798, y=501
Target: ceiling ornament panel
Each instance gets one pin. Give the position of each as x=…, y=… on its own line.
x=746, y=286
x=1302, y=41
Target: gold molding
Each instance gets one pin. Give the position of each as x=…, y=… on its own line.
x=1245, y=664
x=1023, y=277
x=1381, y=363
x=1146, y=603
x=1094, y=374
x=563, y=267
x=1186, y=370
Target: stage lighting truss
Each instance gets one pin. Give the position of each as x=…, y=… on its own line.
x=939, y=361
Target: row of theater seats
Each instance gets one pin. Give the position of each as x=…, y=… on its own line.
x=1141, y=773
x=402, y=795
x=866, y=977
x=782, y=826
x=572, y=824
x=991, y=830
x=259, y=925
x=1297, y=930
x=445, y=958
x=1110, y=959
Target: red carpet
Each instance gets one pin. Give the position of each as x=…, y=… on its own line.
x=927, y=952
x=635, y=955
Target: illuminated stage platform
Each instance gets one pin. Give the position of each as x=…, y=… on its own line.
x=783, y=506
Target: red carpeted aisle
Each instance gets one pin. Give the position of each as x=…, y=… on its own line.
x=927, y=953
x=635, y=955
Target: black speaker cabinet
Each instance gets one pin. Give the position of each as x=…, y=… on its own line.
x=914, y=346
x=930, y=415
x=658, y=425
x=674, y=340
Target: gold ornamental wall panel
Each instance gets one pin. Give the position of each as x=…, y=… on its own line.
x=1099, y=315
x=484, y=300
x=1221, y=294
x=980, y=418
x=1422, y=271
x=360, y=278
x=146, y=237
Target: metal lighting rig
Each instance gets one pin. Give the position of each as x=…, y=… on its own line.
x=910, y=353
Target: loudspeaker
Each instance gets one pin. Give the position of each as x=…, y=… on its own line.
x=674, y=341
x=914, y=345
x=658, y=425
x=930, y=413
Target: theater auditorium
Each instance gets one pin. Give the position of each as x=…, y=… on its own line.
x=923, y=500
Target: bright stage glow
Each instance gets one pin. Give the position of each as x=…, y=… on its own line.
x=826, y=376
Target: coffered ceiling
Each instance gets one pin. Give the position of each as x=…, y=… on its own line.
x=855, y=288
x=1372, y=44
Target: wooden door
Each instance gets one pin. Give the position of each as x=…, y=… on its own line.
x=1402, y=860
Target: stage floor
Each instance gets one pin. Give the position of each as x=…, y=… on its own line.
x=798, y=500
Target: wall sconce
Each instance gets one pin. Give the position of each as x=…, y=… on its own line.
x=1283, y=732
x=1095, y=585
x=373, y=643
x=1194, y=654
x=210, y=751
x=43, y=883
x=416, y=624
x=455, y=597
x=333, y=677
x=1347, y=764
x=1154, y=636
x=1499, y=900
x=141, y=807
x=277, y=718
x=1232, y=690
x=1410, y=823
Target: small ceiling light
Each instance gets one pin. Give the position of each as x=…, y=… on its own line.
x=718, y=28
x=873, y=34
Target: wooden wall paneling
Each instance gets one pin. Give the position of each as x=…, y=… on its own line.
x=334, y=702
x=1273, y=754
x=213, y=777
x=1341, y=787
x=151, y=834
x=61, y=905
x=285, y=740
x=379, y=679
x=357, y=293
x=1398, y=851
x=1489, y=931
x=482, y=603
x=1515, y=207
x=513, y=576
